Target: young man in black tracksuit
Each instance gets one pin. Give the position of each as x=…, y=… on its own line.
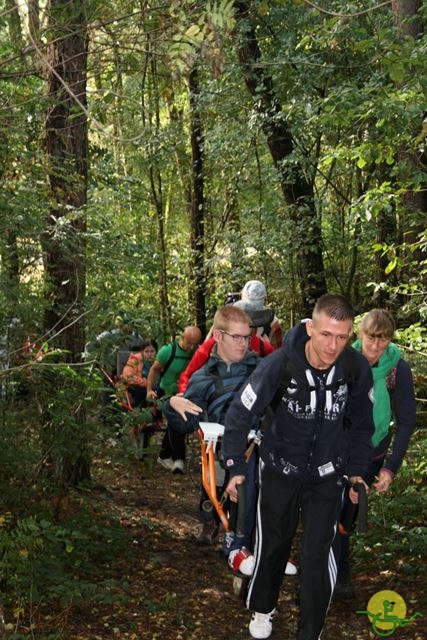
x=319, y=433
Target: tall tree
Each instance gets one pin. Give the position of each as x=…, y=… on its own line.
x=9, y=249
x=66, y=160
x=151, y=120
x=197, y=289
x=297, y=186
x=63, y=238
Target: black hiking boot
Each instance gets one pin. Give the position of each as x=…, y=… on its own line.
x=344, y=589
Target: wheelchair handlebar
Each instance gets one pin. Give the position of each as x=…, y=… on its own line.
x=362, y=518
x=353, y=511
x=237, y=512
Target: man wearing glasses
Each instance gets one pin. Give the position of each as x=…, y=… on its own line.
x=207, y=398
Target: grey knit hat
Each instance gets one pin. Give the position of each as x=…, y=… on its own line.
x=254, y=293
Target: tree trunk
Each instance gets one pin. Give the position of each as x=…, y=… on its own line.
x=190, y=172
x=303, y=224
x=63, y=239
x=150, y=115
x=66, y=155
x=197, y=270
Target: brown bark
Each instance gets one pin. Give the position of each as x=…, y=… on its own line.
x=407, y=16
x=197, y=280
x=66, y=157
x=62, y=240
x=150, y=115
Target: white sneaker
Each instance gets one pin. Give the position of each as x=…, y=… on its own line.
x=261, y=624
x=291, y=569
x=178, y=466
x=166, y=463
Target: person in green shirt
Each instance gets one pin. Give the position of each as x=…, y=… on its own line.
x=170, y=362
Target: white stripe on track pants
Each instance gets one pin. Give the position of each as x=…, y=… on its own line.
x=282, y=500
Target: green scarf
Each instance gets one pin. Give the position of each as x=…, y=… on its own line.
x=382, y=405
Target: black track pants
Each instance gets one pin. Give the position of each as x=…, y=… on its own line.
x=281, y=502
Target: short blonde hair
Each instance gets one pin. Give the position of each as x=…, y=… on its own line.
x=229, y=313
x=378, y=323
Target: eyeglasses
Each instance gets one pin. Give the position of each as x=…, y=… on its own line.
x=235, y=336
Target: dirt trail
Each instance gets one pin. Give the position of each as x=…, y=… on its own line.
x=173, y=589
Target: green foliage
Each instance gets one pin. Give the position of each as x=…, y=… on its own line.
x=120, y=247
x=410, y=262
x=32, y=558
x=42, y=561
x=202, y=38
x=351, y=92
x=413, y=340
x=397, y=534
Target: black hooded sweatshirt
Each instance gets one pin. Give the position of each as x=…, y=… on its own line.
x=323, y=424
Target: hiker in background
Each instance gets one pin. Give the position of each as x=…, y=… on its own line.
x=133, y=381
x=170, y=362
x=106, y=345
x=315, y=392
x=394, y=402
x=253, y=296
x=104, y=352
x=135, y=371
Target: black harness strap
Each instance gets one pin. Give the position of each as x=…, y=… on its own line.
x=223, y=390
x=169, y=360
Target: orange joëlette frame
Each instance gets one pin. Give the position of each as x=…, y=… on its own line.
x=125, y=402
x=209, y=476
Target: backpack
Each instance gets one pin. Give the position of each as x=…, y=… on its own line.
x=122, y=358
x=261, y=318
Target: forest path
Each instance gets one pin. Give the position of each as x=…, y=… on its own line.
x=164, y=586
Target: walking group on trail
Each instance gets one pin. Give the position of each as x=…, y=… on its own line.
x=305, y=419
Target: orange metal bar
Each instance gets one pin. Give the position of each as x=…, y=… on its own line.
x=209, y=477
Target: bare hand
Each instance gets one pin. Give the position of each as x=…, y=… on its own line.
x=151, y=395
x=181, y=405
x=352, y=494
x=384, y=480
x=231, y=489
